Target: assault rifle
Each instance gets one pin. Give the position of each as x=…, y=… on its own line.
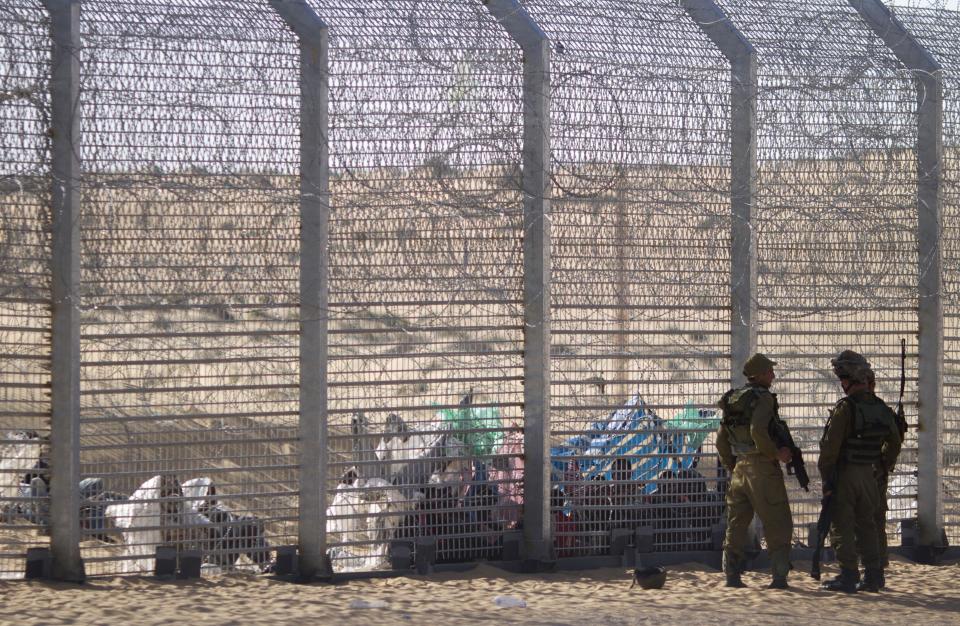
x=783, y=439
x=823, y=526
x=901, y=418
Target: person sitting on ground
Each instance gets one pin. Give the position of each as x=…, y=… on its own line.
x=228, y=536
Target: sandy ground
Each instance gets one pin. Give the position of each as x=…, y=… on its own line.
x=917, y=595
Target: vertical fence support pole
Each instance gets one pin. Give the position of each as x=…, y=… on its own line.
x=314, y=222
x=715, y=24
x=537, y=531
x=929, y=81
x=65, y=372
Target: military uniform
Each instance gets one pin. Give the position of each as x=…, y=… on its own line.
x=880, y=517
x=749, y=453
x=860, y=435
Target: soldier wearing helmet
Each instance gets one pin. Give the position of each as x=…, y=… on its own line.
x=860, y=434
x=750, y=454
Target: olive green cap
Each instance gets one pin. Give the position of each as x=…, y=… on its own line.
x=756, y=365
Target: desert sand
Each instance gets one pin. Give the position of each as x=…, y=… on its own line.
x=917, y=595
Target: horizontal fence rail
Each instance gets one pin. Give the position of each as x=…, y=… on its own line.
x=416, y=282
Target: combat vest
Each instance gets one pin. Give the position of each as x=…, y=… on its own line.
x=872, y=421
x=738, y=406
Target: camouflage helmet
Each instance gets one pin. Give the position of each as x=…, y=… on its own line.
x=756, y=365
x=852, y=365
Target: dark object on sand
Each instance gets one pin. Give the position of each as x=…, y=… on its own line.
x=649, y=577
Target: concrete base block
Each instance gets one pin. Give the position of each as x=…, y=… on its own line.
x=921, y=553
x=426, y=554
x=190, y=562
x=286, y=563
x=643, y=539
x=401, y=555
x=322, y=572
x=38, y=563
x=165, y=563
x=718, y=533
x=620, y=540
x=512, y=545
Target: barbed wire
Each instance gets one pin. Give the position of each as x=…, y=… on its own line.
x=190, y=227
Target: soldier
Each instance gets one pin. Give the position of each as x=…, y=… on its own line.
x=860, y=434
x=749, y=453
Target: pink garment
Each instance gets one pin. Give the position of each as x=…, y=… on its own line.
x=507, y=474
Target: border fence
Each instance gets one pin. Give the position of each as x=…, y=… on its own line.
x=389, y=284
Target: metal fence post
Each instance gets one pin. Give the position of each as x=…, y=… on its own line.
x=65, y=372
x=743, y=176
x=537, y=531
x=928, y=78
x=314, y=289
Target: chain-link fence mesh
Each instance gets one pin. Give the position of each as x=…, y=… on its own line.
x=189, y=282
x=25, y=298
x=189, y=269
x=426, y=304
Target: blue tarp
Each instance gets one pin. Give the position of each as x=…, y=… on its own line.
x=649, y=444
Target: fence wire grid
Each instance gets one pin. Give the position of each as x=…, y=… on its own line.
x=188, y=283
x=189, y=290
x=937, y=29
x=25, y=290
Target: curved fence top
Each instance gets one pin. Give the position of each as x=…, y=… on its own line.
x=413, y=83
x=823, y=70
x=838, y=110
x=624, y=78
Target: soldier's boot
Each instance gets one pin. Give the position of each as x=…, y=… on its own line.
x=883, y=579
x=734, y=580
x=871, y=580
x=780, y=565
x=845, y=582
x=778, y=582
x=733, y=567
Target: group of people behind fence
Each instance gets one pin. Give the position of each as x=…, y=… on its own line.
x=161, y=511
x=455, y=495
x=858, y=450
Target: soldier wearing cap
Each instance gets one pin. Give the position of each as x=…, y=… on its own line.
x=860, y=435
x=752, y=457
